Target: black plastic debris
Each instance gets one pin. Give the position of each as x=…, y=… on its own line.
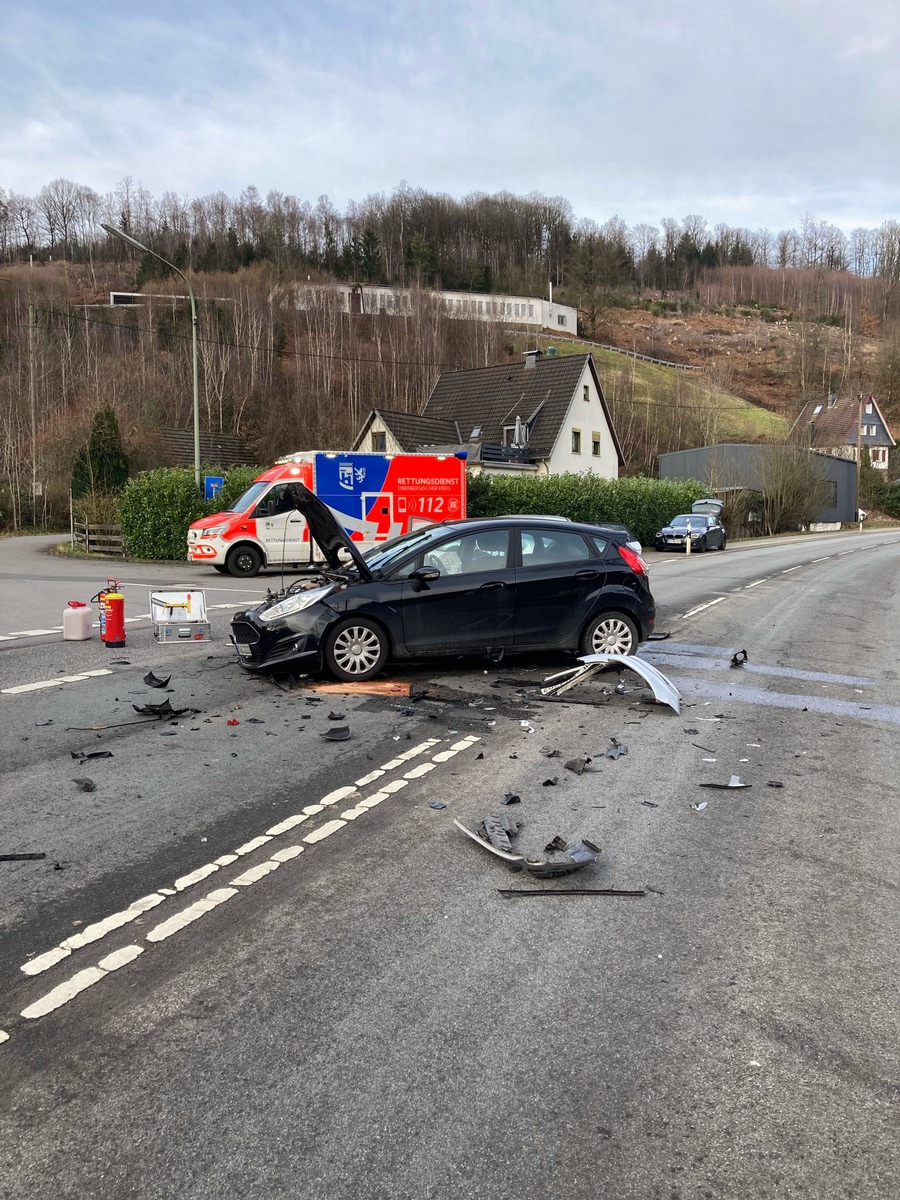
x=498, y=831
x=84, y=755
x=254, y=721
x=153, y=681
x=578, y=765
x=577, y=855
x=649, y=804
x=775, y=783
x=551, y=782
x=516, y=893
x=436, y=804
x=658, y=637
x=163, y=709
x=615, y=749
x=738, y=658
x=511, y=798
x=692, y=732
x=47, y=722
x=557, y=843
x=85, y=784
x=480, y=754
x=336, y=716
x=25, y=857
x=548, y=753
x=734, y=782
x=340, y=733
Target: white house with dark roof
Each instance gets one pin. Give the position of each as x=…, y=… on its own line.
x=539, y=416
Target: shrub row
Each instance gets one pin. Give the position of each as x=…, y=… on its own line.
x=156, y=508
x=643, y=504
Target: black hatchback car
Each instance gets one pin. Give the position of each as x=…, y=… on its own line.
x=462, y=587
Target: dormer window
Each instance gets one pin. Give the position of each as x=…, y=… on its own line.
x=475, y=434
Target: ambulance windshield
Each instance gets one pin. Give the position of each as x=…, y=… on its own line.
x=249, y=497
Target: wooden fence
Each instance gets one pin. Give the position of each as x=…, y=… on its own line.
x=98, y=539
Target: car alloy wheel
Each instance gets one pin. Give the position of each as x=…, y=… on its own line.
x=356, y=650
x=612, y=633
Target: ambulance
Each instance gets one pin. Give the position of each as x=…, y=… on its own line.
x=375, y=497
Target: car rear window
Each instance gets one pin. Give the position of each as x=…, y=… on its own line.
x=545, y=547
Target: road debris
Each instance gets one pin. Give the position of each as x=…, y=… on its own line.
x=514, y=893
x=336, y=716
x=511, y=798
x=85, y=784
x=775, y=783
x=664, y=691
x=615, y=749
x=733, y=782
x=164, y=709
x=548, y=753
x=557, y=843
x=697, y=746
x=339, y=733
x=153, y=681
x=84, y=755
x=551, y=782
x=22, y=857
x=496, y=832
x=436, y=804
x=47, y=722
x=699, y=807
x=578, y=765
x=649, y=804
x=738, y=658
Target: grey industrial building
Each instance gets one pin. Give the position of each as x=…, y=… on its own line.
x=736, y=466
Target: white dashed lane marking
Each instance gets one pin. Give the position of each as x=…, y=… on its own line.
x=181, y=920
x=48, y=683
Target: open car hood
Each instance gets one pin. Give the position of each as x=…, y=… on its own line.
x=326, y=530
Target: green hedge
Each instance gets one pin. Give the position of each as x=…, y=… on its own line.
x=643, y=504
x=157, y=507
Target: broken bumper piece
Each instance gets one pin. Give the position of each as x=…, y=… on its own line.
x=495, y=834
x=664, y=690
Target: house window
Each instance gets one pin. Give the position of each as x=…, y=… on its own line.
x=869, y=430
x=878, y=456
x=531, y=310
x=576, y=441
x=509, y=432
x=595, y=444
x=586, y=391
x=379, y=442
x=561, y=319
x=869, y=409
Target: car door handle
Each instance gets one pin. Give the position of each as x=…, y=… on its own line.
x=493, y=586
x=586, y=574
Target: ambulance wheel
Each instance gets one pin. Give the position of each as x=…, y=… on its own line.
x=243, y=561
x=356, y=649
x=223, y=570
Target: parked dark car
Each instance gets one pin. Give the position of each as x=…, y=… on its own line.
x=705, y=530
x=462, y=587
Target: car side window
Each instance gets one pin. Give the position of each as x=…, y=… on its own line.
x=487, y=551
x=601, y=545
x=544, y=547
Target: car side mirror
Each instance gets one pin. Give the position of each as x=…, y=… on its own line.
x=425, y=575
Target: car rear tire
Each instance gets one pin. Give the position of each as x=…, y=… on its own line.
x=609, y=633
x=356, y=649
x=243, y=562
x=724, y=542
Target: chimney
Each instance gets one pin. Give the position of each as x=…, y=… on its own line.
x=532, y=358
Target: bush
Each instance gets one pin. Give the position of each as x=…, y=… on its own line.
x=157, y=507
x=643, y=504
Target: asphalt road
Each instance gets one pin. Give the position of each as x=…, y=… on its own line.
x=350, y=1009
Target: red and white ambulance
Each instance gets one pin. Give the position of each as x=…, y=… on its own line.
x=375, y=497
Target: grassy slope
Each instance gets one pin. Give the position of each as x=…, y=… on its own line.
x=737, y=420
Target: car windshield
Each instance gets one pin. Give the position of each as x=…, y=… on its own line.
x=382, y=557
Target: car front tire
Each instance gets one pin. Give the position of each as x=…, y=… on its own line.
x=244, y=562
x=356, y=649
x=609, y=633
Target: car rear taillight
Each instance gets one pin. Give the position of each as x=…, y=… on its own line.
x=634, y=561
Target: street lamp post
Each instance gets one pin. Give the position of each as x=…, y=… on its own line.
x=126, y=237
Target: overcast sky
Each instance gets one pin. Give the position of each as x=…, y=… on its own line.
x=747, y=112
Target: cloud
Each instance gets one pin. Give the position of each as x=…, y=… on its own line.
x=645, y=111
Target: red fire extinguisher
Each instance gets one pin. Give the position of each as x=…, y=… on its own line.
x=112, y=614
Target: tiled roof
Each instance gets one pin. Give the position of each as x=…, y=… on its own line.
x=492, y=397
x=216, y=449
x=412, y=431
x=835, y=424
